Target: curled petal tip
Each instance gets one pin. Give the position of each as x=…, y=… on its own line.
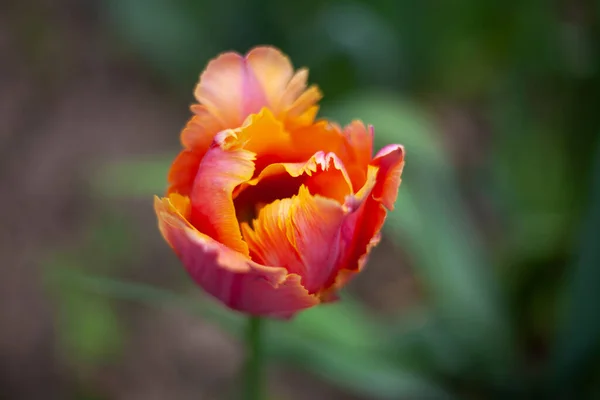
x=390, y=161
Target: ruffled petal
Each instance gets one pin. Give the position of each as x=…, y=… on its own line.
x=323, y=174
x=301, y=234
x=390, y=161
x=219, y=172
x=295, y=87
x=303, y=110
x=285, y=91
x=265, y=136
x=229, y=276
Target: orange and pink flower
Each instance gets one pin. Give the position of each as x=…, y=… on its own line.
x=270, y=211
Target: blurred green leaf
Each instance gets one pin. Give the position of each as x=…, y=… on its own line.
x=365, y=374
x=533, y=178
x=89, y=329
x=423, y=342
x=579, y=340
x=340, y=344
x=142, y=177
x=365, y=37
x=431, y=221
x=335, y=342
x=167, y=34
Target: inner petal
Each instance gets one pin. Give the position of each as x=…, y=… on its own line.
x=323, y=174
x=301, y=234
x=268, y=138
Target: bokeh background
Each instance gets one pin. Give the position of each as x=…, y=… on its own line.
x=486, y=285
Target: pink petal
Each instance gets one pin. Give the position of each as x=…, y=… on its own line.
x=361, y=229
x=230, y=90
x=232, y=87
x=390, y=161
x=229, y=276
x=213, y=212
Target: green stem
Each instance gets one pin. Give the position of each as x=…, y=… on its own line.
x=254, y=357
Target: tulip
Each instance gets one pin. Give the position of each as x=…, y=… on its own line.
x=269, y=210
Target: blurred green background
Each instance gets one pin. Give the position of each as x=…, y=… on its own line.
x=486, y=285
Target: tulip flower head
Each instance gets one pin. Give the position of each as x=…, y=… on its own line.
x=269, y=210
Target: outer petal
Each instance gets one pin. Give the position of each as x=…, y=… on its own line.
x=362, y=227
x=390, y=161
x=227, y=275
x=301, y=234
x=213, y=212
x=362, y=224
x=196, y=137
x=183, y=172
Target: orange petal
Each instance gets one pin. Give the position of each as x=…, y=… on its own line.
x=229, y=276
x=390, y=161
x=183, y=172
x=321, y=136
x=265, y=136
x=357, y=152
x=294, y=88
x=304, y=102
x=213, y=212
x=301, y=234
x=360, y=139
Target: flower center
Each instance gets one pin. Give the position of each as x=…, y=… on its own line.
x=252, y=199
